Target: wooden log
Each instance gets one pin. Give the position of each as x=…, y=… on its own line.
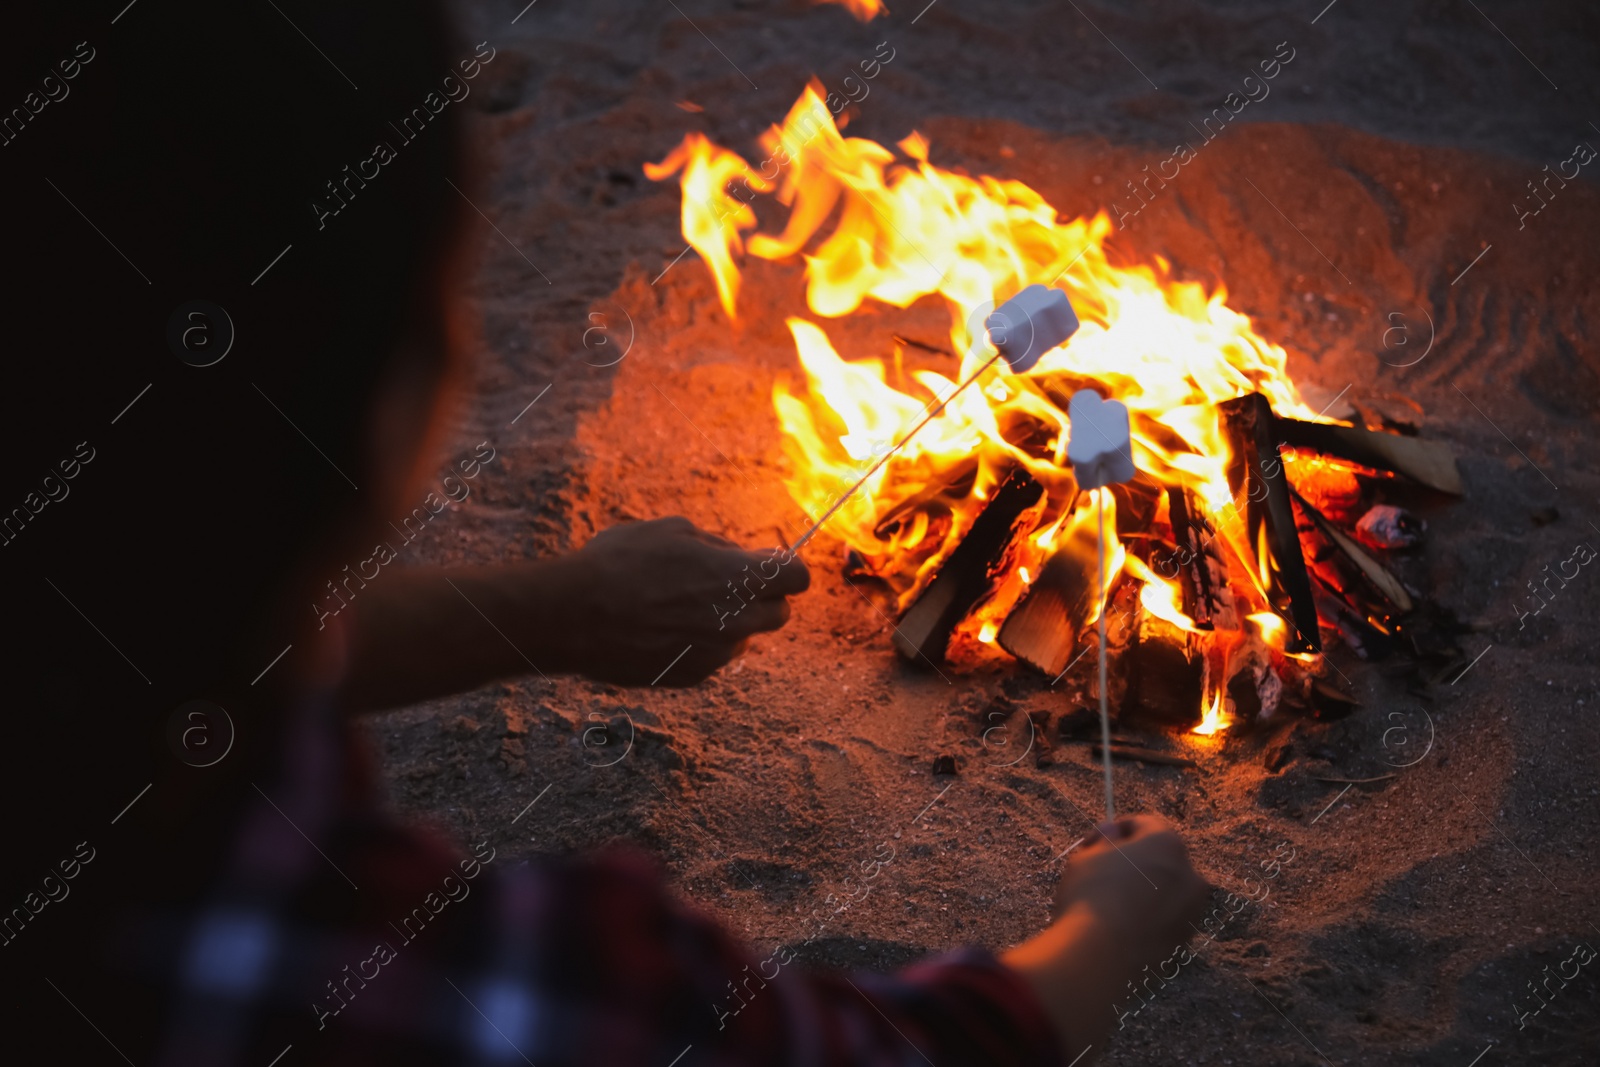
x=1365, y=638
x=1354, y=566
x=1137, y=502
x=1042, y=630
x=1122, y=634
x=1429, y=463
x=1166, y=675
x=956, y=485
x=1256, y=472
x=1198, y=564
x=1144, y=755
x=968, y=575
x=1252, y=689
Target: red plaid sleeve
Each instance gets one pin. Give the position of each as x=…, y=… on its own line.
x=672, y=981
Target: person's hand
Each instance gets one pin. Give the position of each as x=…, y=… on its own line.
x=646, y=596
x=1134, y=876
x=1126, y=900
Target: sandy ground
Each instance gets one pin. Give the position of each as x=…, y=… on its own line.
x=1401, y=918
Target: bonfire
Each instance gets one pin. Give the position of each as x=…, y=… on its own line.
x=1238, y=543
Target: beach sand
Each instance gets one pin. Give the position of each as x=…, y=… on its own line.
x=1376, y=180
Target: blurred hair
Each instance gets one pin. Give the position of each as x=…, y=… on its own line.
x=180, y=162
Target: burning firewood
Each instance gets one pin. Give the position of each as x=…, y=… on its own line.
x=1166, y=673
x=1336, y=488
x=1215, y=608
x=1252, y=689
x=955, y=484
x=1365, y=638
x=1138, y=500
x=1021, y=331
x=1430, y=463
x=1043, y=629
x=1123, y=612
x=968, y=576
x=1198, y=564
x=1346, y=565
x=1143, y=755
x=1256, y=471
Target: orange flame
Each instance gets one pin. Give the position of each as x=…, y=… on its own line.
x=1159, y=596
x=865, y=10
x=1215, y=720
x=907, y=230
x=711, y=218
x=1273, y=629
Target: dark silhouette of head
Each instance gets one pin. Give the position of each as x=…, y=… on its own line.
x=212, y=287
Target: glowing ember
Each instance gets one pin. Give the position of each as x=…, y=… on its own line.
x=865, y=10
x=907, y=230
x=1272, y=628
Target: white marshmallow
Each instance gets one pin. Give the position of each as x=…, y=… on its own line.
x=1030, y=324
x=1100, y=445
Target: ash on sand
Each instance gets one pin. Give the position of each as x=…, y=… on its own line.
x=1341, y=213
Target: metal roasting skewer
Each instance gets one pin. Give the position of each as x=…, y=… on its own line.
x=929, y=417
x=1105, y=712
x=1100, y=455
x=1050, y=321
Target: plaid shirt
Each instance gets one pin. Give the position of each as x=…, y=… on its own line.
x=336, y=935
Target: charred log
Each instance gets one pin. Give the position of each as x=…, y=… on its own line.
x=969, y=574
x=1166, y=675
x=1429, y=463
x=1256, y=471
x=1253, y=688
x=1345, y=566
x=1198, y=564
x=1366, y=637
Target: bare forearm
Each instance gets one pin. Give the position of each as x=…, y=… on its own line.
x=1077, y=970
x=428, y=632
x=644, y=603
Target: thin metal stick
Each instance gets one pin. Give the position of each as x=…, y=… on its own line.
x=1105, y=713
x=935, y=410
